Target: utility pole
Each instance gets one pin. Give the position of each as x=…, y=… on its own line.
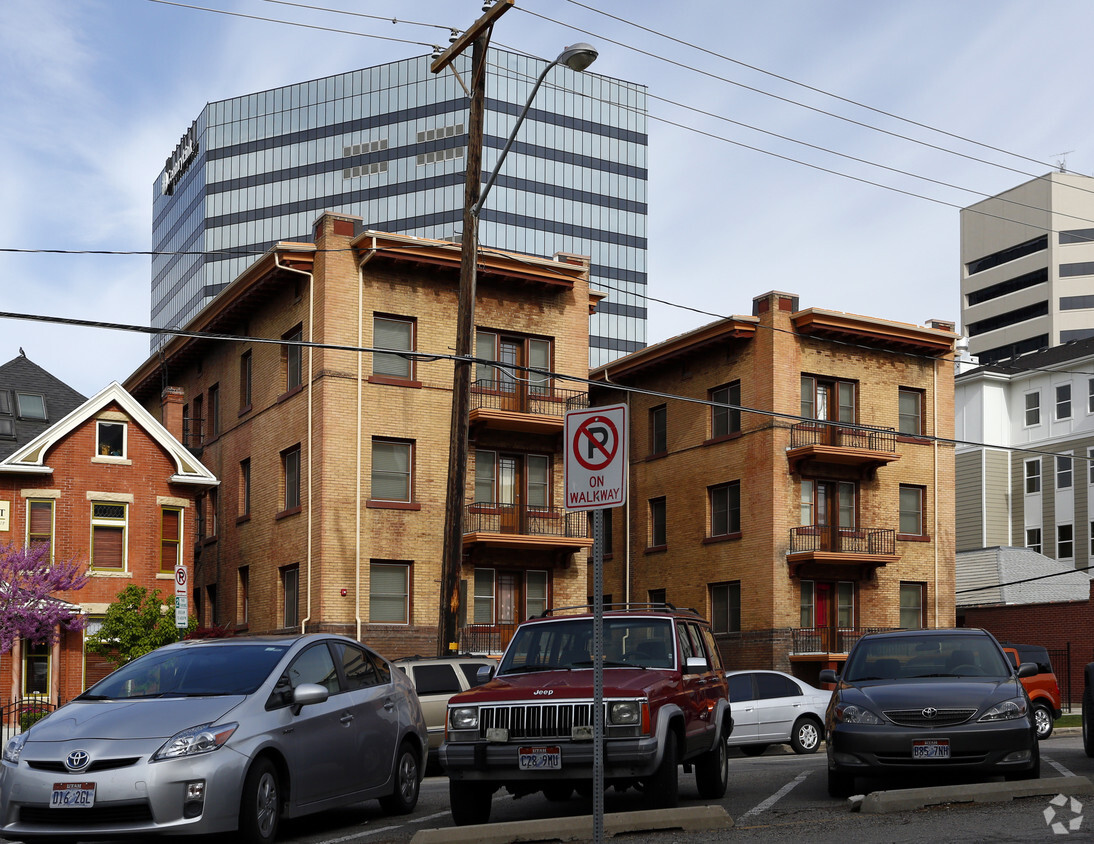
x=477, y=35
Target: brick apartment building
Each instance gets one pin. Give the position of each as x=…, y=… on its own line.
x=795, y=495
x=107, y=485
x=334, y=463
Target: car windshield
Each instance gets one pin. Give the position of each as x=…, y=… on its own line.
x=194, y=671
x=567, y=644
x=927, y=655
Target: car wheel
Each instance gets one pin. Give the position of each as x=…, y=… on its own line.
x=260, y=806
x=806, y=736
x=840, y=784
x=1042, y=720
x=663, y=788
x=470, y=801
x=1031, y=773
x=753, y=749
x=712, y=772
x=404, y=797
x=558, y=792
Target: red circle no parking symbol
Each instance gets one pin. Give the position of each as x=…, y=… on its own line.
x=595, y=443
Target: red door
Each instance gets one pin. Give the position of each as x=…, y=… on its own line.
x=824, y=610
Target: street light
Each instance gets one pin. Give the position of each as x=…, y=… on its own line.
x=578, y=57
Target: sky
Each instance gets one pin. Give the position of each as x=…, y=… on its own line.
x=971, y=98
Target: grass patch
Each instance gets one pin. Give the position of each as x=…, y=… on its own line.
x=1069, y=721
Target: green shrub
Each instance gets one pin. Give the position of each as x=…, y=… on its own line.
x=28, y=717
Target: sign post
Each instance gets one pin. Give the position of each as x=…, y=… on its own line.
x=595, y=471
x=182, y=610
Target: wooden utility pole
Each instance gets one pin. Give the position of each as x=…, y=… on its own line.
x=478, y=35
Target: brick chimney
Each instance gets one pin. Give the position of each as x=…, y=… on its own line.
x=171, y=411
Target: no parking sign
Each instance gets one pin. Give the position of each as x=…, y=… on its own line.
x=596, y=457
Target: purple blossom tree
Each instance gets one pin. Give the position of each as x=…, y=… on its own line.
x=29, y=608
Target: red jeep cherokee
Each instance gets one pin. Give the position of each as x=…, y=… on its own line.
x=666, y=703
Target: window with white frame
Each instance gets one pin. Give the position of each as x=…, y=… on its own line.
x=1090, y=395
x=1033, y=476
x=1065, y=542
x=389, y=593
x=1090, y=465
x=1033, y=409
x=1063, y=401
x=40, y=523
x=109, y=522
x=1064, y=478
x=110, y=439
x=1033, y=539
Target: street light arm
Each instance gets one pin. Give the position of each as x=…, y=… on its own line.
x=512, y=137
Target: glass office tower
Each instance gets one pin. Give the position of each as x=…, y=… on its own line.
x=387, y=143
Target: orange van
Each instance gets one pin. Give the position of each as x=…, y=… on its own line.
x=1042, y=688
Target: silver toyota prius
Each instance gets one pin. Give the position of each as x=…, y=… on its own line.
x=217, y=735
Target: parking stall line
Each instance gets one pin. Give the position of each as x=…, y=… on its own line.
x=777, y=796
x=1064, y=772
x=354, y=836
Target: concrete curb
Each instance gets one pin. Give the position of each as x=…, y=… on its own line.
x=580, y=828
x=901, y=800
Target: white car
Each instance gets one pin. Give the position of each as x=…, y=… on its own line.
x=771, y=707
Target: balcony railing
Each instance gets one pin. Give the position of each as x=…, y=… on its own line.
x=828, y=639
x=832, y=434
x=878, y=542
x=522, y=397
x=485, y=638
x=484, y=517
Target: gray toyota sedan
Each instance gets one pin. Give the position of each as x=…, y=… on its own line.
x=218, y=735
x=919, y=701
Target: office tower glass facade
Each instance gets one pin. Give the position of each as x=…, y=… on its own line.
x=388, y=144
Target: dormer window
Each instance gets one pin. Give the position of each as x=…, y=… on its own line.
x=110, y=440
x=30, y=405
x=7, y=423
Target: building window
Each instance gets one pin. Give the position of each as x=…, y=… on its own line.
x=825, y=399
x=512, y=352
x=290, y=477
x=392, y=333
x=209, y=527
x=245, y=364
x=725, y=509
x=110, y=439
x=1033, y=539
x=911, y=605
x=1033, y=476
x=845, y=604
x=35, y=668
x=725, y=607
x=389, y=593
x=214, y=410
x=911, y=510
x=658, y=430
x=1063, y=401
x=1063, y=471
x=1033, y=409
x=170, y=537
x=483, y=600
x=40, y=524
x=243, y=599
x=535, y=593
x=658, y=535
x=392, y=478
x=30, y=406
x=510, y=479
x=292, y=358
x=244, y=503
x=290, y=596
x=725, y=420
x=657, y=597
x=828, y=504
x=1065, y=542
x=196, y=432
x=7, y=423
x=108, y=530
x=911, y=412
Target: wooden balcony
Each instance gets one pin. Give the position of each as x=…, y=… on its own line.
x=865, y=449
x=829, y=550
x=520, y=527
x=512, y=405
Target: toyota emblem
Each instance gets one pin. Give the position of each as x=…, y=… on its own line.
x=78, y=760
x=929, y=712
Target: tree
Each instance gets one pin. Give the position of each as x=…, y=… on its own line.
x=29, y=608
x=136, y=623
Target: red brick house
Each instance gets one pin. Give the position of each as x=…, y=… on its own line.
x=108, y=485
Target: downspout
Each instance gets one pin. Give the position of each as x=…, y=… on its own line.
x=311, y=509
x=357, y=473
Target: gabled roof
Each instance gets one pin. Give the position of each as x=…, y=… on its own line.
x=1005, y=574
x=30, y=458
x=22, y=375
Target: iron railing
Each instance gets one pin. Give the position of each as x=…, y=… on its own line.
x=829, y=638
x=19, y=714
x=484, y=517
x=522, y=397
x=833, y=434
x=874, y=541
x=486, y=638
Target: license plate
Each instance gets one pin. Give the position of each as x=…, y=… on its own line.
x=72, y=795
x=931, y=749
x=539, y=758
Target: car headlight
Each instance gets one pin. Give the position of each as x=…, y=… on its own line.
x=850, y=713
x=196, y=740
x=14, y=747
x=463, y=718
x=1006, y=711
x=625, y=713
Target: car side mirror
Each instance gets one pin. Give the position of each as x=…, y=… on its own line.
x=827, y=675
x=306, y=694
x=485, y=674
x=1027, y=669
x=697, y=665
